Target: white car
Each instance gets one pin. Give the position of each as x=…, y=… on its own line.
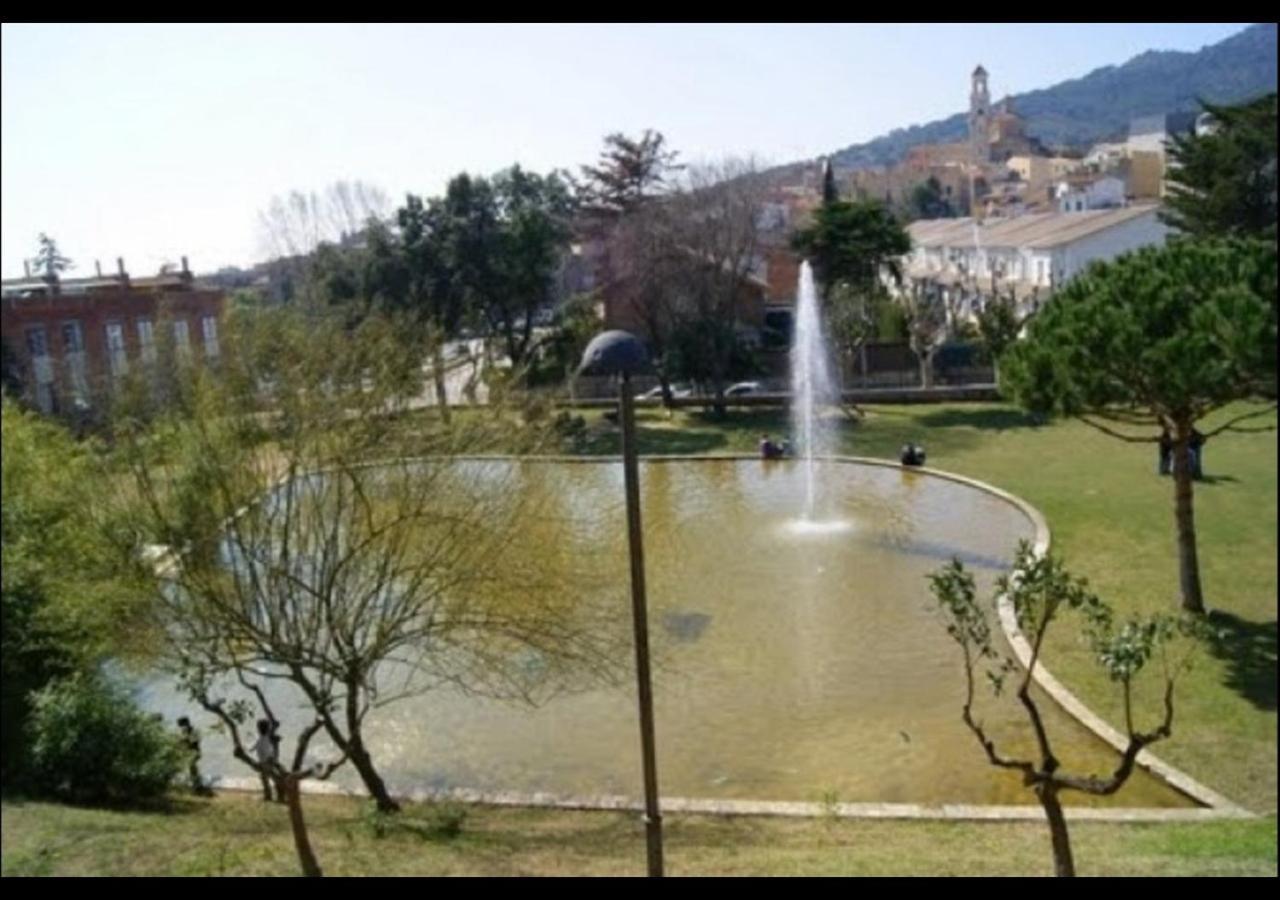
x=744, y=387
x=678, y=391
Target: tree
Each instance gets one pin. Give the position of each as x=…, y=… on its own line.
x=534, y=212
x=55, y=619
x=928, y=200
x=647, y=279
x=199, y=682
x=294, y=228
x=927, y=323
x=830, y=192
x=48, y=260
x=1157, y=339
x=853, y=318
x=854, y=242
x=301, y=556
x=628, y=173
x=1224, y=182
x=639, y=261
x=999, y=325
x=1040, y=591
x=716, y=237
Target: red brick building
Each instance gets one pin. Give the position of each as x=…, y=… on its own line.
x=69, y=338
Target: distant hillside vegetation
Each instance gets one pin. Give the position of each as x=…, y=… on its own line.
x=1099, y=105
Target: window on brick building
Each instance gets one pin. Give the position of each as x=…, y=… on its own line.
x=146, y=341
x=117, y=355
x=181, y=337
x=209, y=324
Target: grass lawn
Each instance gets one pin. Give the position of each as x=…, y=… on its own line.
x=1112, y=518
x=237, y=834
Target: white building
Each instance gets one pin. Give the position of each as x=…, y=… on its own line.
x=1105, y=156
x=1150, y=134
x=1030, y=254
x=1078, y=195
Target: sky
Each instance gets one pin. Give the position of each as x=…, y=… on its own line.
x=153, y=142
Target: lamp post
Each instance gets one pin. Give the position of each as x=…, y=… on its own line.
x=620, y=353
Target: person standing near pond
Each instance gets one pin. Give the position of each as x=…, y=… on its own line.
x=267, y=752
x=191, y=742
x=1195, y=453
x=1165, y=465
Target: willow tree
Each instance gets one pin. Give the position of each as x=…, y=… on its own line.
x=318, y=543
x=1040, y=592
x=1158, y=340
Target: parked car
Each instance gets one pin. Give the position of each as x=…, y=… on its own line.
x=678, y=391
x=744, y=387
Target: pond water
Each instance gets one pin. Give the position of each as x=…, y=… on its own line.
x=794, y=661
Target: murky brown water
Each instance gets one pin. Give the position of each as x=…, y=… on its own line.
x=795, y=665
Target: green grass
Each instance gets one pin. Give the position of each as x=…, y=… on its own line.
x=237, y=834
x=1112, y=519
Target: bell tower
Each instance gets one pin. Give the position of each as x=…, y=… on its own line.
x=979, y=116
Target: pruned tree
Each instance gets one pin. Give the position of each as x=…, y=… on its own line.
x=302, y=556
x=927, y=323
x=234, y=715
x=853, y=315
x=1041, y=592
x=1000, y=322
x=1158, y=340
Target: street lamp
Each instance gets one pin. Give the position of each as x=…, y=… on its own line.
x=620, y=353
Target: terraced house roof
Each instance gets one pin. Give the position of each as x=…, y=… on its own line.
x=1032, y=231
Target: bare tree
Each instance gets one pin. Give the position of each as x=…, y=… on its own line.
x=648, y=278
x=717, y=232
x=301, y=555
x=296, y=223
x=294, y=226
x=1040, y=590
x=288, y=779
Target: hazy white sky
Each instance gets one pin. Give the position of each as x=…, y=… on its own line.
x=150, y=142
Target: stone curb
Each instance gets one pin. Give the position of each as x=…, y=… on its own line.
x=774, y=808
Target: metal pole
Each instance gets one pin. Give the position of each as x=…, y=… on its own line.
x=631, y=475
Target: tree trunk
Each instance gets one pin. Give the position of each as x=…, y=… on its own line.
x=293, y=797
x=1188, y=561
x=926, y=370
x=372, y=780
x=1064, y=865
x=438, y=375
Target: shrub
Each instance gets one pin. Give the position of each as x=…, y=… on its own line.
x=90, y=742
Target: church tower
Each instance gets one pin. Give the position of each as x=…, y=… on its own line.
x=979, y=117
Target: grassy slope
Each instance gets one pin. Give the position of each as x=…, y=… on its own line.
x=238, y=834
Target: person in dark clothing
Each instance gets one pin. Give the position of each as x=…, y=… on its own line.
x=1165, y=464
x=768, y=449
x=912, y=455
x=1195, y=454
x=191, y=741
x=267, y=750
